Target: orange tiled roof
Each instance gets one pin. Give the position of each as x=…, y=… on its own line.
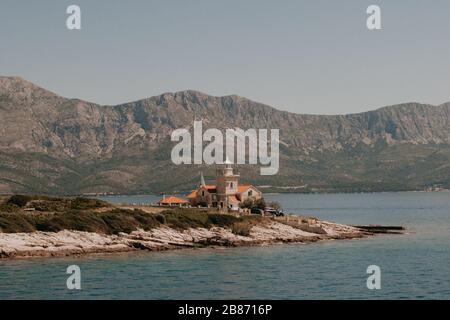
x=211, y=188
x=172, y=200
x=243, y=187
x=192, y=195
x=233, y=199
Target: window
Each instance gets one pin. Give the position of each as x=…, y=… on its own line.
x=250, y=193
x=231, y=184
x=203, y=193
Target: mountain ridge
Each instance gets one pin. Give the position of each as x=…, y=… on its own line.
x=53, y=144
x=203, y=94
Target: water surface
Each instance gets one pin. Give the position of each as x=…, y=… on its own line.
x=414, y=266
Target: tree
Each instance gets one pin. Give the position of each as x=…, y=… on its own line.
x=252, y=203
x=260, y=203
x=247, y=203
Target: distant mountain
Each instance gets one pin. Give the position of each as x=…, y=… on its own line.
x=51, y=144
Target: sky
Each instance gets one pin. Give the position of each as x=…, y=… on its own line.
x=312, y=56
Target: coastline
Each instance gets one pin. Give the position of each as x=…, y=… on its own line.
x=73, y=243
x=183, y=192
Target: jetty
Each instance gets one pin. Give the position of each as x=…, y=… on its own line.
x=381, y=229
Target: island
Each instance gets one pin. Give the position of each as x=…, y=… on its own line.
x=42, y=226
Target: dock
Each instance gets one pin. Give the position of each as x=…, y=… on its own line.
x=382, y=229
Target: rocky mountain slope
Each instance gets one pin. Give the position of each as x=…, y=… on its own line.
x=51, y=144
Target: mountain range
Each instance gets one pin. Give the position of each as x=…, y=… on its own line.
x=55, y=145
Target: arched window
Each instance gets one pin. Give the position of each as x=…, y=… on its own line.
x=250, y=193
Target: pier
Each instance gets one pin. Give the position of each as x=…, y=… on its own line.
x=382, y=229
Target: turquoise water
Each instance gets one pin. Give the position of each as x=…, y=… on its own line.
x=415, y=265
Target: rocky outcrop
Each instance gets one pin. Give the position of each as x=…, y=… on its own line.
x=65, y=243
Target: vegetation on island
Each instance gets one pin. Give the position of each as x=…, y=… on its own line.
x=259, y=203
x=21, y=213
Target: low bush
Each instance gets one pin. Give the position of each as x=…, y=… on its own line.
x=87, y=203
x=66, y=214
x=50, y=205
x=245, y=224
x=9, y=207
x=12, y=223
x=185, y=219
x=72, y=220
x=222, y=220
x=110, y=222
x=242, y=228
x=160, y=218
x=19, y=200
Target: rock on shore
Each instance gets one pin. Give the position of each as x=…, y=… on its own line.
x=65, y=243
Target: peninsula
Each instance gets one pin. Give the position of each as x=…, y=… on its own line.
x=41, y=226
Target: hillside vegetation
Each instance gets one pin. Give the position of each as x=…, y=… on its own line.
x=92, y=215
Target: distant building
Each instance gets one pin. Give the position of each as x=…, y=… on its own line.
x=226, y=193
x=172, y=202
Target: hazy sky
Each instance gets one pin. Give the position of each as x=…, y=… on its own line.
x=302, y=56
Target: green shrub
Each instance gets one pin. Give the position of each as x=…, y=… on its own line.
x=8, y=207
x=245, y=224
x=160, y=218
x=60, y=215
x=117, y=223
x=222, y=220
x=242, y=228
x=251, y=203
x=146, y=221
x=260, y=203
x=71, y=220
x=51, y=205
x=247, y=203
x=87, y=203
x=183, y=220
x=19, y=200
x=111, y=222
x=12, y=223
x=255, y=219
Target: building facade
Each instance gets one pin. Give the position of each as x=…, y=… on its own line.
x=226, y=193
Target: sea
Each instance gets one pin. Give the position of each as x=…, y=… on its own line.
x=415, y=265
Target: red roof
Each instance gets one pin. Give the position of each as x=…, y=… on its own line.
x=192, y=195
x=172, y=200
x=233, y=199
x=211, y=188
x=243, y=187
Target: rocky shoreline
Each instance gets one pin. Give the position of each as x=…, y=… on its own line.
x=68, y=243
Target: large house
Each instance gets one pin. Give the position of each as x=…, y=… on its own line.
x=226, y=193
